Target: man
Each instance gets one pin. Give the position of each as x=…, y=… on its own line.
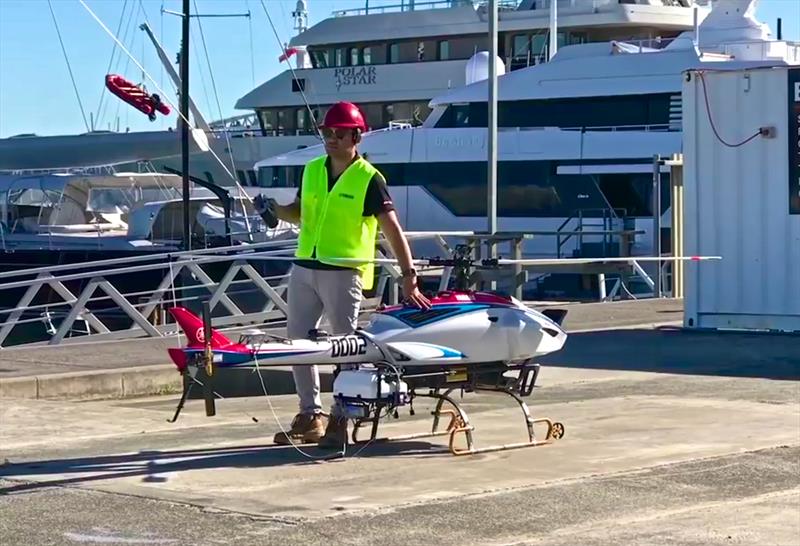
x=341, y=203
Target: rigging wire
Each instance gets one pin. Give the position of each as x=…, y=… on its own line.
x=294, y=74
x=124, y=70
x=214, y=87
x=69, y=67
x=111, y=61
x=225, y=131
x=199, y=67
x=161, y=40
x=158, y=88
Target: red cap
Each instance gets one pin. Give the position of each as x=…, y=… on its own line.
x=344, y=115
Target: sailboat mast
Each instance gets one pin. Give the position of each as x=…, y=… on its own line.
x=184, y=106
x=491, y=197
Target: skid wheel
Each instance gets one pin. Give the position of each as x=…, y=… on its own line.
x=557, y=431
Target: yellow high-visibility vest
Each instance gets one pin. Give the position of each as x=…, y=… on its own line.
x=332, y=224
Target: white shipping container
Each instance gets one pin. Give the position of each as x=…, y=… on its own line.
x=742, y=201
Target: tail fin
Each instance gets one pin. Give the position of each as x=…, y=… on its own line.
x=556, y=315
x=192, y=326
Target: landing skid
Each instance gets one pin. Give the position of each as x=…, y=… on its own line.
x=459, y=423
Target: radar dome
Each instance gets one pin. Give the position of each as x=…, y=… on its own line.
x=478, y=67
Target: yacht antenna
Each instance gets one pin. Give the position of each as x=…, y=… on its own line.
x=553, y=28
x=300, y=15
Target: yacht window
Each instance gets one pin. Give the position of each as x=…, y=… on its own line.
x=420, y=51
x=320, y=58
x=366, y=55
x=639, y=112
x=298, y=84
x=266, y=177
x=466, y=47
x=419, y=111
x=240, y=176
x=633, y=192
x=340, y=57
x=393, y=53
x=267, y=121
x=577, y=38
x=538, y=49
x=378, y=53
x=519, y=46
x=374, y=114
x=302, y=116
x=279, y=177
x=444, y=50
x=388, y=113
x=525, y=188
x=281, y=122
x=353, y=56
x=251, y=175
x=401, y=111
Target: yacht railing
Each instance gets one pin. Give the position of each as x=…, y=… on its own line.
x=503, y=5
x=413, y=5
x=763, y=50
x=651, y=128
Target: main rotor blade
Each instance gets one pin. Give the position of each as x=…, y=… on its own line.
x=577, y=261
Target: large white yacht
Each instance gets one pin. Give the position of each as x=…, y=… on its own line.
x=392, y=59
x=576, y=138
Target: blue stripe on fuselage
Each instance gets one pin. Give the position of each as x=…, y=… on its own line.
x=415, y=317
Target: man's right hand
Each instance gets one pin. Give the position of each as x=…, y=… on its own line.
x=265, y=206
x=413, y=295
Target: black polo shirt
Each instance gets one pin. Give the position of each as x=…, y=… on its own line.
x=376, y=201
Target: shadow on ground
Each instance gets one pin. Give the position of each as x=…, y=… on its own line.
x=151, y=465
x=678, y=351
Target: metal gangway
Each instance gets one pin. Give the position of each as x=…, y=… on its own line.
x=92, y=301
x=244, y=285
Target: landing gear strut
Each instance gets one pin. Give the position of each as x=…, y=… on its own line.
x=459, y=423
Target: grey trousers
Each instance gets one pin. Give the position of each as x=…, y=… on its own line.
x=336, y=294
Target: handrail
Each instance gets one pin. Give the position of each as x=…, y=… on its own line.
x=239, y=291
x=161, y=256
x=135, y=269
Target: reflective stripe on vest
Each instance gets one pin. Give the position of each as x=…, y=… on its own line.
x=332, y=224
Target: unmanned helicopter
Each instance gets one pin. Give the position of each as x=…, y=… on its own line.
x=467, y=341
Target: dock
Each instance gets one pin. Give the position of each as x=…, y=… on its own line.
x=670, y=436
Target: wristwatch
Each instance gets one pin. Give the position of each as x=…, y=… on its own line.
x=409, y=272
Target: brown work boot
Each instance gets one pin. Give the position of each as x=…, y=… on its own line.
x=305, y=429
x=335, y=434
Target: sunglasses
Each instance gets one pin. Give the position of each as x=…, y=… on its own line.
x=338, y=133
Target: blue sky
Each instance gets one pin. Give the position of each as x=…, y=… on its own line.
x=36, y=93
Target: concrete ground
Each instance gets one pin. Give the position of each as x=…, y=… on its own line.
x=671, y=438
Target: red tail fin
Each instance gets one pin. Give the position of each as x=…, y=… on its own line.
x=192, y=326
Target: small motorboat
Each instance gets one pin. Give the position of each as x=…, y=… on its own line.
x=136, y=96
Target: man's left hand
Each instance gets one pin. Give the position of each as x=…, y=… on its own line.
x=412, y=294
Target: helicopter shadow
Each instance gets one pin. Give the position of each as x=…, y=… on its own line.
x=154, y=465
x=678, y=351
